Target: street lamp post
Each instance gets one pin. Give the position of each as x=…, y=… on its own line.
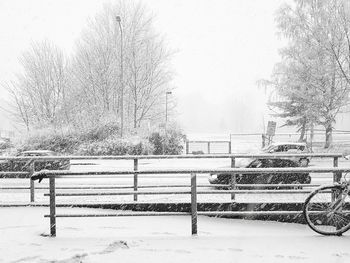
x=166, y=106
x=166, y=119
x=121, y=78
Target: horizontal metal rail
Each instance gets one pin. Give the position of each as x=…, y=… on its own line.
x=108, y=187
x=275, y=185
x=206, y=141
x=206, y=213
x=188, y=192
x=124, y=193
x=14, y=174
x=189, y=156
x=63, y=173
x=124, y=214
x=248, y=213
x=157, y=186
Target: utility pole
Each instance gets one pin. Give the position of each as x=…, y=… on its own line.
x=121, y=78
x=166, y=120
x=166, y=106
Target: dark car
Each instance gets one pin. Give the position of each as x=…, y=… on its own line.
x=23, y=165
x=275, y=178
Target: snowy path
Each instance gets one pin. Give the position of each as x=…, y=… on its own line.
x=160, y=239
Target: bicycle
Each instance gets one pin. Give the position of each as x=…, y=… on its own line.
x=327, y=209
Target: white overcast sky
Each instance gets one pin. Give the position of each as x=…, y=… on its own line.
x=224, y=47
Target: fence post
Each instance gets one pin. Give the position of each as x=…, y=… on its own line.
x=262, y=140
x=32, y=186
x=233, y=177
x=135, y=178
x=52, y=207
x=187, y=147
x=209, y=147
x=336, y=177
x=194, y=203
x=229, y=147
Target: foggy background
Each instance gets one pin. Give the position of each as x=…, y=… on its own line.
x=222, y=49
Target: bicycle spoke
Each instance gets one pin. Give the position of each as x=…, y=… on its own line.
x=326, y=215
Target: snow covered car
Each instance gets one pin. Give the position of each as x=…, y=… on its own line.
x=22, y=165
x=275, y=178
x=290, y=147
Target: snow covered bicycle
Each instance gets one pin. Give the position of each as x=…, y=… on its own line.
x=327, y=209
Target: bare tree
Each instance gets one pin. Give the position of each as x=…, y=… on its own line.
x=86, y=90
x=147, y=67
x=96, y=65
x=18, y=107
x=38, y=91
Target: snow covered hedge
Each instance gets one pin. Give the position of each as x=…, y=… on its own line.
x=104, y=140
x=171, y=143
x=115, y=146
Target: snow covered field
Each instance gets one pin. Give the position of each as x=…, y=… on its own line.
x=23, y=238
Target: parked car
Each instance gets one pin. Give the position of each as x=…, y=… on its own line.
x=5, y=143
x=290, y=147
x=22, y=165
x=275, y=178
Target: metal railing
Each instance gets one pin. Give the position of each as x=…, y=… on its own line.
x=135, y=158
x=208, y=145
x=52, y=175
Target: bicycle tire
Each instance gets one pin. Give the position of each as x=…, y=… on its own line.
x=325, y=215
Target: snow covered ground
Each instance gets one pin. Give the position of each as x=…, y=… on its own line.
x=23, y=238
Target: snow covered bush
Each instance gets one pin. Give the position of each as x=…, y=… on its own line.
x=100, y=132
x=172, y=143
x=104, y=140
x=62, y=143
x=114, y=146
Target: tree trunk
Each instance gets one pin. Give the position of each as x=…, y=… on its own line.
x=312, y=134
x=302, y=131
x=135, y=116
x=329, y=129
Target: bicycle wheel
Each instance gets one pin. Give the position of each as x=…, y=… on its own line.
x=327, y=210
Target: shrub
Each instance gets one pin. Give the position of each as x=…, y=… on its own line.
x=103, y=140
x=63, y=143
x=114, y=146
x=172, y=143
x=100, y=133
